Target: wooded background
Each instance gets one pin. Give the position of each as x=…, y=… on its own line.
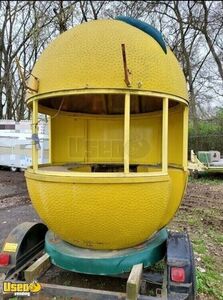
x=192, y=29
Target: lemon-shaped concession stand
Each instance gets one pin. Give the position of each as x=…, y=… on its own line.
x=117, y=105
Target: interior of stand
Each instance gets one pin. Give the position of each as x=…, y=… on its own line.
x=114, y=133
x=104, y=104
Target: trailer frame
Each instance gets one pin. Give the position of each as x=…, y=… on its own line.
x=28, y=262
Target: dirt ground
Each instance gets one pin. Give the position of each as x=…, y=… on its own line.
x=201, y=214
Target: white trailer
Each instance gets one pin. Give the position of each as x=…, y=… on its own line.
x=16, y=144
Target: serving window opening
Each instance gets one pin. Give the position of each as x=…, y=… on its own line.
x=112, y=133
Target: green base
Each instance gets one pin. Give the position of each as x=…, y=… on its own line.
x=109, y=262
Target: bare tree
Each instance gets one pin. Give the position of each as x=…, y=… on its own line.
x=210, y=25
x=63, y=11
x=91, y=10
x=18, y=32
x=192, y=29
x=179, y=22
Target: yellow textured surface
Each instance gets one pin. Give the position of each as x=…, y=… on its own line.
x=107, y=216
x=175, y=137
x=119, y=212
x=178, y=180
x=101, y=140
x=102, y=216
x=110, y=215
x=89, y=56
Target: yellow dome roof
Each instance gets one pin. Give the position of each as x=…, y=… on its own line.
x=89, y=56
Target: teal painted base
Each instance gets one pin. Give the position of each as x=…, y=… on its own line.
x=110, y=262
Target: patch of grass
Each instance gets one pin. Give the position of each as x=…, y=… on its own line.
x=199, y=246
x=210, y=281
x=158, y=267
x=208, y=277
x=216, y=237
x=208, y=178
x=193, y=220
x=219, y=238
x=207, y=283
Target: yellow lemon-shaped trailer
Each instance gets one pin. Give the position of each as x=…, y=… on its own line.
x=118, y=112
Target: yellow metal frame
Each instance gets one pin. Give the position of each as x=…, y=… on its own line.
x=102, y=91
x=63, y=177
x=34, y=132
x=50, y=139
x=126, y=172
x=126, y=133
x=165, y=135
x=185, y=137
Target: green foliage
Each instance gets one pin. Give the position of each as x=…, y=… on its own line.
x=208, y=277
x=219, y=113
x=208, y=134
x=199, y=246
x=207, y=283
x=158, y=267
x=208, y=127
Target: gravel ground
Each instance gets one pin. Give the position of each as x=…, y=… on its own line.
x=15, y=205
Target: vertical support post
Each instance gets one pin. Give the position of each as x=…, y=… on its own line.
x=50, y=139
x=165, y=135
x=34, y=133
x=185, y=137
x=133, y=282
x=126, y=133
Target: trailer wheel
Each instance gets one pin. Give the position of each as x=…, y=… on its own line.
x=181, y=277
x=24, y=242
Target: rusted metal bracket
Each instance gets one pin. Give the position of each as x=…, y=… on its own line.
x=22, y=77
x=126, y=70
